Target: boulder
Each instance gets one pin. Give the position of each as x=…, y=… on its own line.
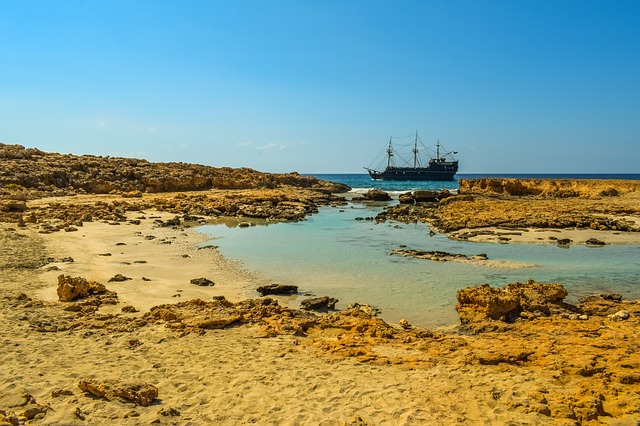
x=425, y=196
x=72, y=288
x=277, y=289
x=12, y=206
x=119, y=278
x=406, y=198
x=376, y=195
x=594, y=242
x=319, y=303
x=202, y=282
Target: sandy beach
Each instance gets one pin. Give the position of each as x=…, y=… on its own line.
x=230, y=376
x=242, y=375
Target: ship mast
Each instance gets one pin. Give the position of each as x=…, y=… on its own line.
x=389, y=154
x=438, y=150
x=415, y=151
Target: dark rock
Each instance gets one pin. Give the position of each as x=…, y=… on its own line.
x=564, y=241
x=171, y=222
x=277, y=289
x=119, y=278
x=203, y=282
x=594, y=242
x=319, y=303
x=610, y=297
x=376, y=195
x=406, y=198
x=425, y=196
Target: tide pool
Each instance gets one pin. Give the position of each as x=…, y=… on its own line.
x=333, y=254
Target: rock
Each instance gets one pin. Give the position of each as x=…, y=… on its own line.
x=169, y=411
x=289, y=196
x=319, y=303
x=139, y=393
x=367, y=309
x=563, y=241
x=11, y=206
x=405, y=324
x=485, y=303
x=203, y=282
x=119, y=278
x=70, y=288
x=594, y=242
x=277, y=289
x=406, y=198
x=620, y=315
x=588, y=408
x=58, y=392
x=425, y=196
x=129, y=309
x=376, y=195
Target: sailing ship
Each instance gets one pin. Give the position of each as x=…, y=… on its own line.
x=442, y=166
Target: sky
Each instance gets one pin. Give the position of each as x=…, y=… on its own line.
x=515, y=86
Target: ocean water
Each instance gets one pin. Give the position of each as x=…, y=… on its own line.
x=332, y=253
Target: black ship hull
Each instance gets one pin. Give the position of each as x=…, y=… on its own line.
x=415, y=174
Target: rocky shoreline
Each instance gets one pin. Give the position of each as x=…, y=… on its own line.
x=104, y=322
x=528, y=210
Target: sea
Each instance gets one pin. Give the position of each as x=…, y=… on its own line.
x=333, y=253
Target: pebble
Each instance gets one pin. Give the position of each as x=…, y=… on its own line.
x=620, y=315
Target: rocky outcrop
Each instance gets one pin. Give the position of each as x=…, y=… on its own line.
x=51, y=172
x=484, y=304
x=603, y=205
x=551, y=188
x=139, y=393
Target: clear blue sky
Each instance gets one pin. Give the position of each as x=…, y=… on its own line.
x=516, y=86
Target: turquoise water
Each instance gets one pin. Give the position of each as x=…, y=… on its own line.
x=333, y=254
x=362, y=181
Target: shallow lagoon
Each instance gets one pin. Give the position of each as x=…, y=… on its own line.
x=333, y=254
